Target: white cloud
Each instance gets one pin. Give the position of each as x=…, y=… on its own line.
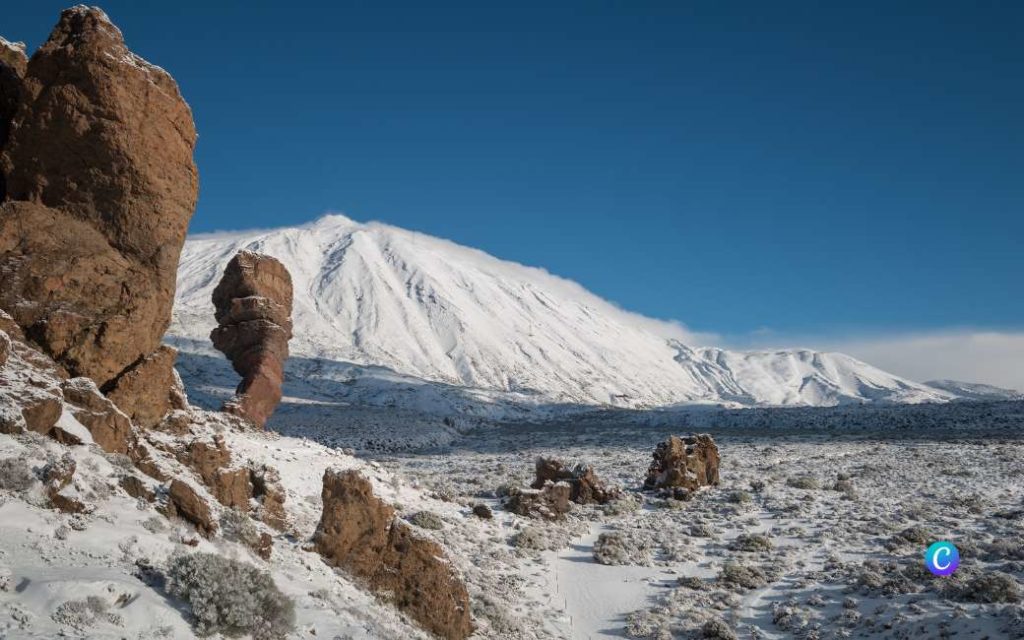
x=991, y=357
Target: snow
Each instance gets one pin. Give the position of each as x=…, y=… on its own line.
x=401, y=318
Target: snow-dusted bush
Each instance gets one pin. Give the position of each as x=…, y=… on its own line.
x=15, y=474
x=532, y=538
x=994, y=586
x=740, y=497
x=238, y=527
x=85, y=613
x=803, y=482
x=719, y=629
x=616, y=549
x=427, y=520
x=230, y=597
x=752, y=542
x=743, y=576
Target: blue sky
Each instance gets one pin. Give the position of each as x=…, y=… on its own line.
x=749, y=168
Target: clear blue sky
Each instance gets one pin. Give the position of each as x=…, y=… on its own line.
x=811, y=169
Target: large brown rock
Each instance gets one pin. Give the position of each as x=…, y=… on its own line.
x=101, y=185
x=185, y=502
x=688, y=462
x=110, y=428
x=359, y=533
x=585, y=486
x=13, y=63
x=550, y=502
x=253, y=306
x=150, y=389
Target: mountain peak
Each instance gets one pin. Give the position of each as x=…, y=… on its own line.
x=370, y=294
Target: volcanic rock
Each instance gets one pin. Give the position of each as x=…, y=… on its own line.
x=253, y=303
x=12, y=69
x=186, y=503
x=688, y=462
x=150, y=389
x=359, y=533
x=101, y=185
x=270, y=495
x=110, y=428
x=585, y=486
x=550, y=502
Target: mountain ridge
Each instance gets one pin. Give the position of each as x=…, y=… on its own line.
x=376, y=295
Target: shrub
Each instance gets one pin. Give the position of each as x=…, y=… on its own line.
x=993, y=587
x=238, y=527
x=751, y=542
x=740, y=497
x=230, y=597
x=427, y=520
x=15, y=474
x=746, y=577
x=717, y=628
x=803, y=482
x=531, y=538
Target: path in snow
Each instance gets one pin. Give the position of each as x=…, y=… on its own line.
x=598, y=597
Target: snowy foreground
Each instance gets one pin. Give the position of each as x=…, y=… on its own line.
x=813, y=533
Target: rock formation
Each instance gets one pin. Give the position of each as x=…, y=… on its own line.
x=253, y=303
x=359, y=533
x=585, y=486
x=688, y=463
x=99, y=186
x=12, y=69
x=550, y=502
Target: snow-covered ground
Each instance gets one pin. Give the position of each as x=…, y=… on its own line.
x=404, y=318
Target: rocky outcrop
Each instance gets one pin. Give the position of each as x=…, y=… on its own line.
x=359, y=533
x=185, y=502
x=12, y=71
x=253, y=303
x=585, y=486
x=151, y=389
x=550, y=502
x=100, y=187
x=687, y=463
x=110, y=428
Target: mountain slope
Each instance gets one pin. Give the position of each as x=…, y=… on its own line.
x=975, y=391
x=372, y=294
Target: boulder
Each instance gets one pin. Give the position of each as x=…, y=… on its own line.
x=100, y=187
x=253, y=306
x=150, y=389
x=110, y=428
x=5, y=348
x=359, y=533
x=585, y=486
x=41, y=409
x=184, y=502
x=270, y=496
x=550, y=502
x=688, y=462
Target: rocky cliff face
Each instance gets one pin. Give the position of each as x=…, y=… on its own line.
x=359, y=533
x=100, y=186
x=253, y=304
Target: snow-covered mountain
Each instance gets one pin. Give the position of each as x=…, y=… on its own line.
x=426, y=309
x=975, y=391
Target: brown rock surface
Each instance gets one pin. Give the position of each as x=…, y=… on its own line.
x=359, y=533
x=270, y=495
x=688, y=462
x=550, y=502
x=110, y=428
x=101, y=186
x=184, y=502
x=585, y=486
x=150, y=389
x=253, y=303
x=12, y=69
